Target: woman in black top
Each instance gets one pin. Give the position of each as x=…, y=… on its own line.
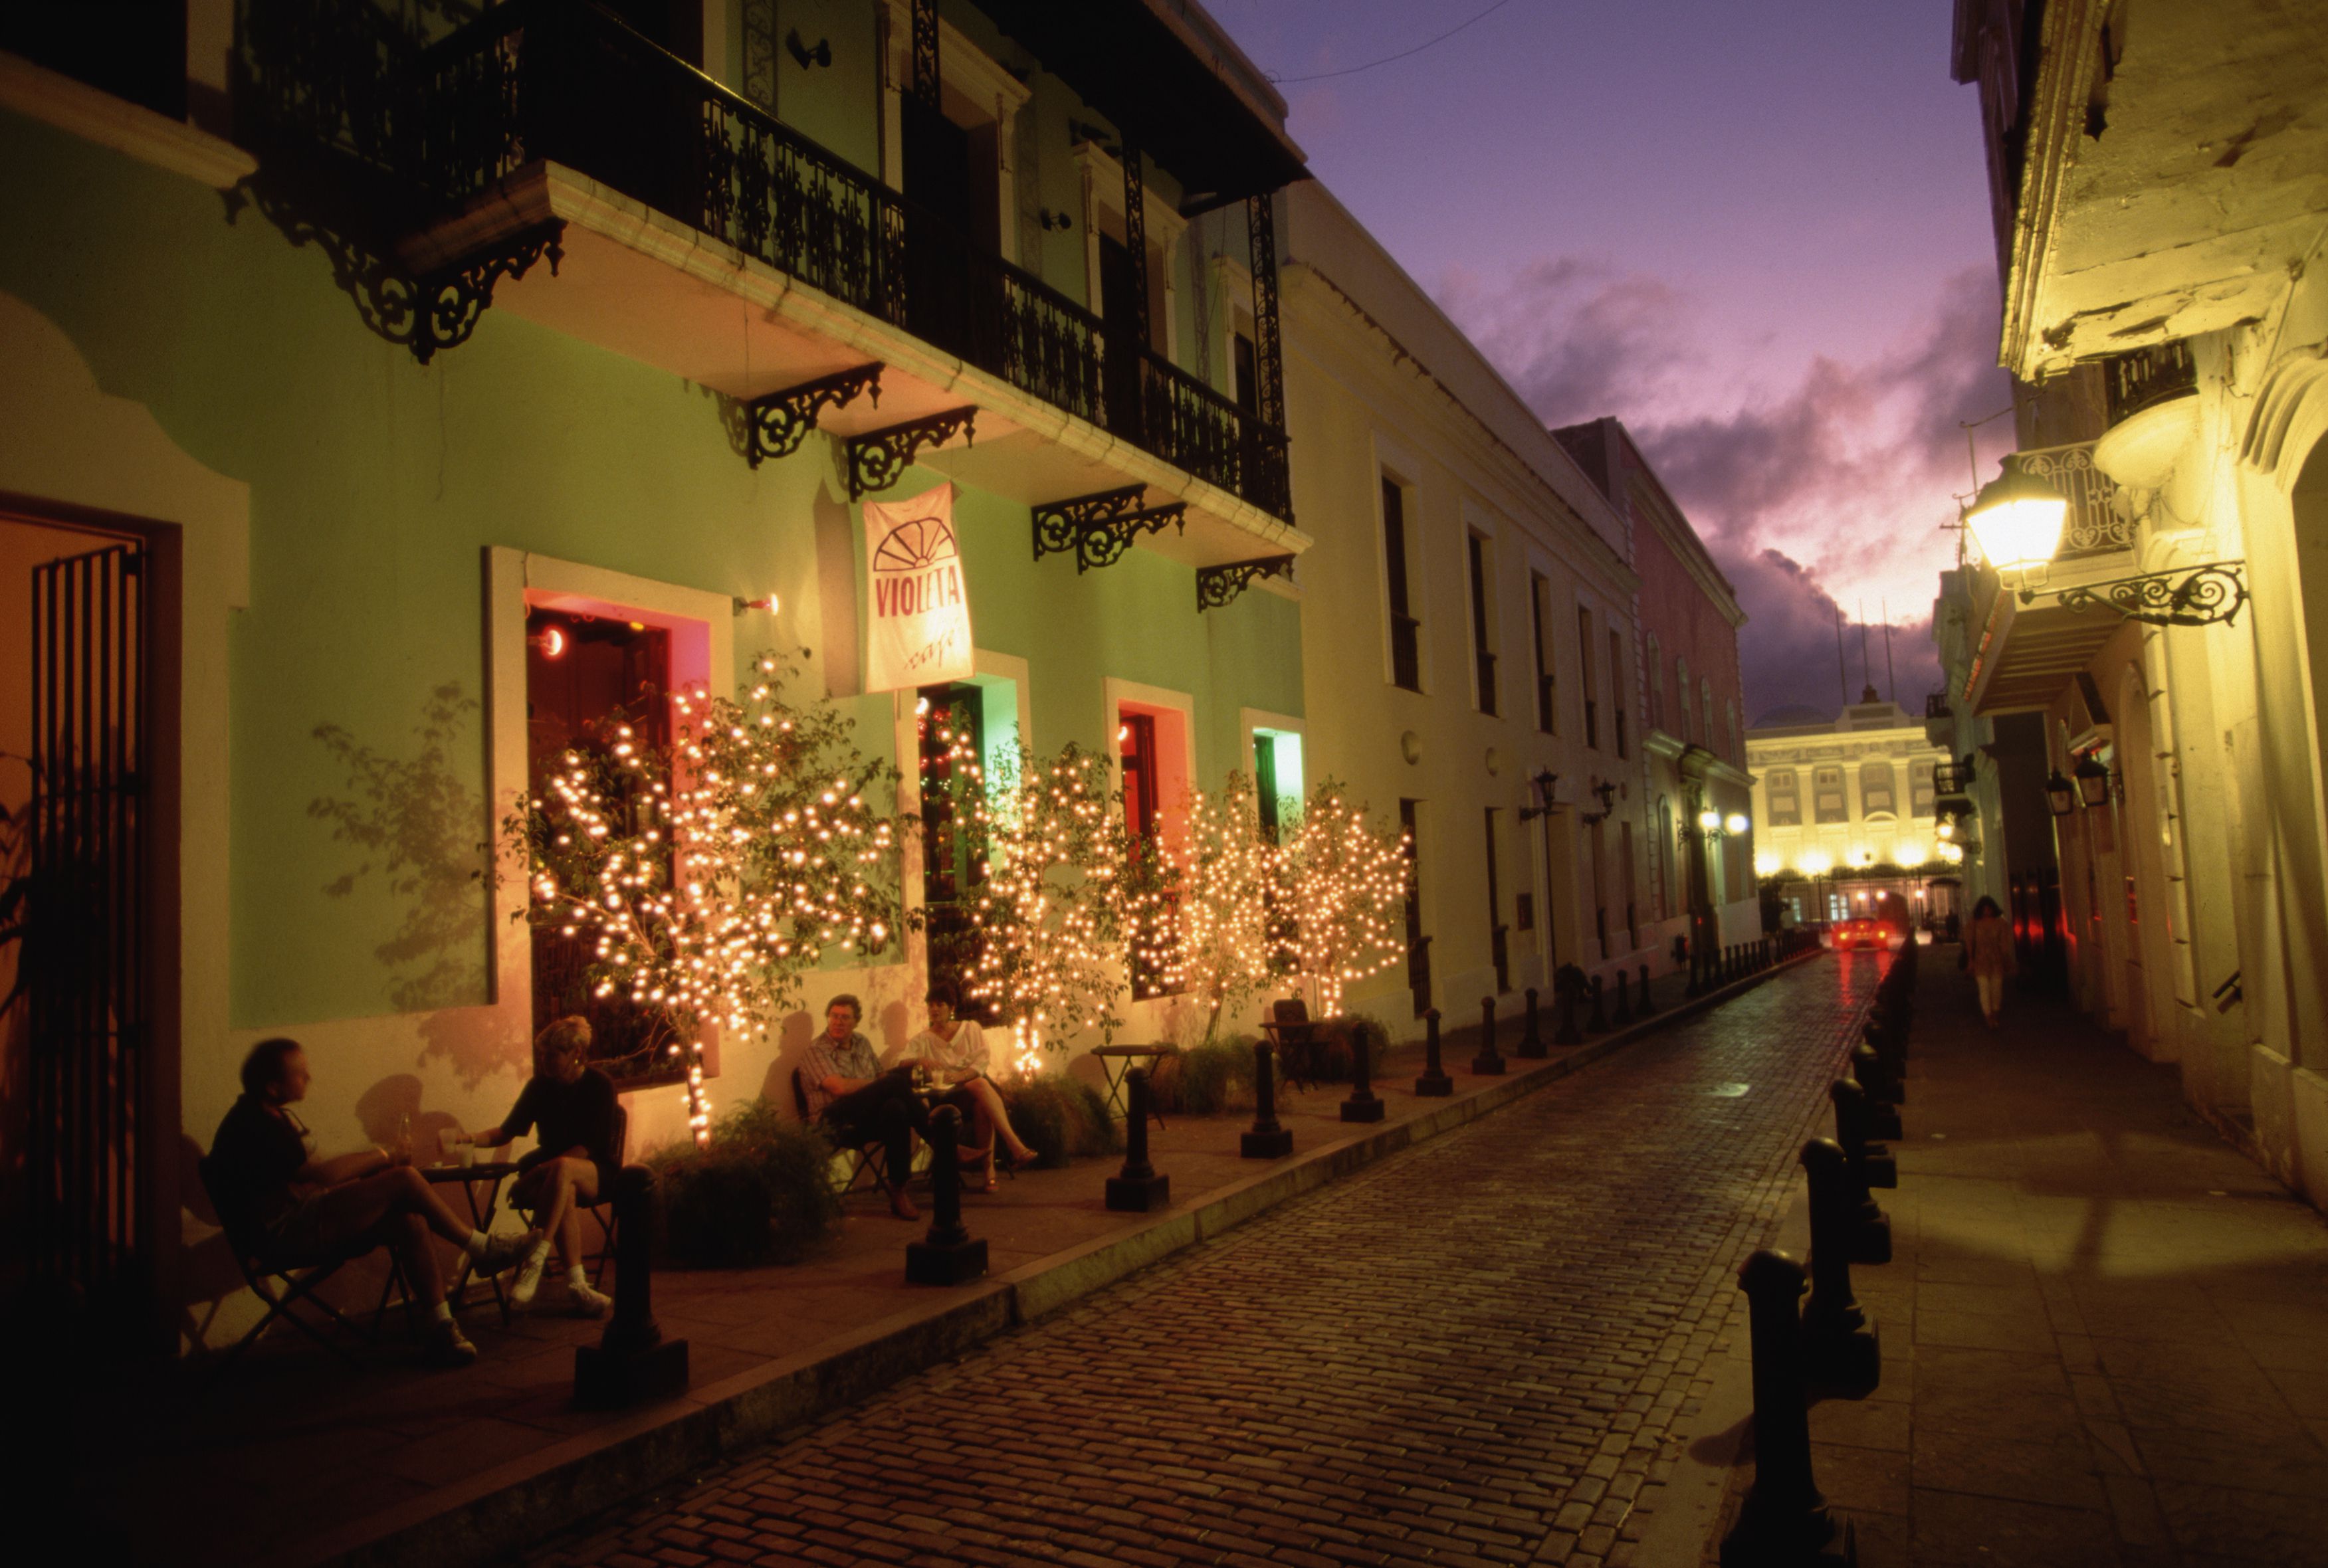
x=288, y=1207
x=573, y=1104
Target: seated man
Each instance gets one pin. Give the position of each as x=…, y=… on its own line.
x=573, y=1163
x=952, y=1050
x=860, y=1103
x=291, y=1207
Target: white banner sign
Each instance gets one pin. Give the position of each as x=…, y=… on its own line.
x=921, y=616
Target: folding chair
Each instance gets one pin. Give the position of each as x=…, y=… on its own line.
x=603, y=1210
x=1290, y=1030
x=284, y=1284
x=867, y=1162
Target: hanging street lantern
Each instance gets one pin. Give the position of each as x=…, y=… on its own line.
x=2060, y=794
x=2015, y=520
x=2093, y=776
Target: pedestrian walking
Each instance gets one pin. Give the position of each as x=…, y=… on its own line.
x=1988, y=953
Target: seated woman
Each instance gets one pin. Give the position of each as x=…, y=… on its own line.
x=291, y=1207
x=952, y=1050
x=574, y=1161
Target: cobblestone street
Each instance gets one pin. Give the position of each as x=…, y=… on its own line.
x=1473, y=1354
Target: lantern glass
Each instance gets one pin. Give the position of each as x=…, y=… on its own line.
x=1709, y=820
x=2093, y=780
x=2060, y=794
x=1736, y=822
x=2016, y=520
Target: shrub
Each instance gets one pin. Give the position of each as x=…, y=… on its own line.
x=1061, y=1118
x=759, y=1193
x=1206, y=1080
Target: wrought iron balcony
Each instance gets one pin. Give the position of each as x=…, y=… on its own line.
x=2100, y=519
x=1936, y=705
x=566, y=82
x=2147, y=377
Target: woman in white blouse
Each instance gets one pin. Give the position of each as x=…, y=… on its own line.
x=953, y=1051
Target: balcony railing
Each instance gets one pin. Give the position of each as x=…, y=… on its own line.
x=2100, y=518
x=2137, y=381
x=566, y=81
x=1936, y=705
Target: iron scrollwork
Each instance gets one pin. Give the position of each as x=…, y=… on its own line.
x=879, y=458
x=1216, y=586
x=776, y=425
x=1100, y=528
x=2202, y=597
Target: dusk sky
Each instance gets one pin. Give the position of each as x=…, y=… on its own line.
x=1756, y=232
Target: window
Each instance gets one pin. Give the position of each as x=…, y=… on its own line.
x=1656, y=682
x=1585, y=678
x=1547, y=715
x=1729, y=726
x=584, y=674
x=1600, y=887
x=1152, y=753
x=1499, y=950
x=1919, y=782
x=1483, y=633
x=1706, y=706
x=1418, y=945
x=1681, y=689
x=1246, y=370
x=1784, y=806
x=1632, y=905
x=1661, y=874
x=1406, y=630
x=1875, y=797
x=1826, y=792
x=1617, y=687
x=1276, y=777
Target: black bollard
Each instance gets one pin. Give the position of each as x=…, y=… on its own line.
x=632, y=1362
x=1565, y=984
x=1434, y=1084
x=1490, y=1062
x=1697, y=968
x=1841, y=1353
x=1869, y=1238
x=947, y=1255
x=1855, y=1132
x=1363, y=1105
x=1784, y=1519
x=1267, y=1141
x=1646, y=1007
x=1532, y=1044
x=1624, y=1013
x=1598, y=1024
x=1139, y=1188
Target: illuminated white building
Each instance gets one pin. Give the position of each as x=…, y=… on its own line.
x=1846, y=806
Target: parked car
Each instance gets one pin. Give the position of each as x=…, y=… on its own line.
x=1862, y=932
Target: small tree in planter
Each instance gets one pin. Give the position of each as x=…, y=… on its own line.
x=1064, y=895
x=1227, y=948
x=710, y=879
x=1343, y=885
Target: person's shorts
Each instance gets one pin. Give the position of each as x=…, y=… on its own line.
x=303, y=1234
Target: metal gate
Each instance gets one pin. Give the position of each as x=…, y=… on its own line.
x=83, y=956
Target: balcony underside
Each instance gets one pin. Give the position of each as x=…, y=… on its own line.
x=2031, y=652
x=643, y=285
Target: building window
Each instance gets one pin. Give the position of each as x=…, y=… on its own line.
x=1584, y=678
x=1245, y=369
x=1547, y=714
x=1656, y=682
x=1632, y=903
x=1729, y=724
x=1152, y=751
x=1784, y=806
x=1406, y=630
x=1875, y=797
x=1277, y=785
x=1418, y=945
x=1920, y=782
x=1499, y=947
x=1705, y=705
x=1827, y=797
x=1617, y=688
x=1681, y=687
x=1483, y=631
x=585, y=675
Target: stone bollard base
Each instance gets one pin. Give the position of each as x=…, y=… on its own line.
x=1369, y=1109
x=1844, y=1360
x=1871, y=1239
x=1883, y=1122
x=607, y=1379
x=1139, y=1195
x=946, y=1262
x=1432, y=1088
x=1274, y=1144
x=1488, y=1067
x=1882, y=1170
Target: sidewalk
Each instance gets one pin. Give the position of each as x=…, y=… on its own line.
x=292, y=1458
x=2104, y=1331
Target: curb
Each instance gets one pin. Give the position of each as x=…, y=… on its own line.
x=553, y=1487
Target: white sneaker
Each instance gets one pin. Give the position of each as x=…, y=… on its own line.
x=448, y=1346
x=528, y=1279
x=582, y=1301
x=502, y=1250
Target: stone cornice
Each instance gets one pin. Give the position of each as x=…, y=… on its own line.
x=39, y=93
x=2065, y=67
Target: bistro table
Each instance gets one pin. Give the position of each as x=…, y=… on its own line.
x=490, y=1175
x=1117, y=1062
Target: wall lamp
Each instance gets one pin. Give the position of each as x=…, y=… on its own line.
x=2016, y=521
x=1607, y=790
x=2061, y=794
x=819, y=53
x=2094, y=780
x=1543, y=784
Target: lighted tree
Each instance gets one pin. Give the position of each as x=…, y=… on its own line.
x=1065, y=894
x=1227, y=877
x=1344, y=884
x=708, y=879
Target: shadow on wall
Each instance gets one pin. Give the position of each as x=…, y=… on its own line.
x=417, y=826
x=793, y=1033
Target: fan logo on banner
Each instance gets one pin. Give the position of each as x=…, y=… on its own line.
x=921, y=616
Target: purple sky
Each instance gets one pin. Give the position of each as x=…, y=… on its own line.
x=1757, y=233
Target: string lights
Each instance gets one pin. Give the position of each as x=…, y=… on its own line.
x=708, y=878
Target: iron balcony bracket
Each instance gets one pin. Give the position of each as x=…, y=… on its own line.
x=1100, y=528
x=2202, y=595
x=452, y=300
x=1216, y=586
x=778, y=424
x=879, y=458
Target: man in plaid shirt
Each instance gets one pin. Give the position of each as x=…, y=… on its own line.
x=859, y=1104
